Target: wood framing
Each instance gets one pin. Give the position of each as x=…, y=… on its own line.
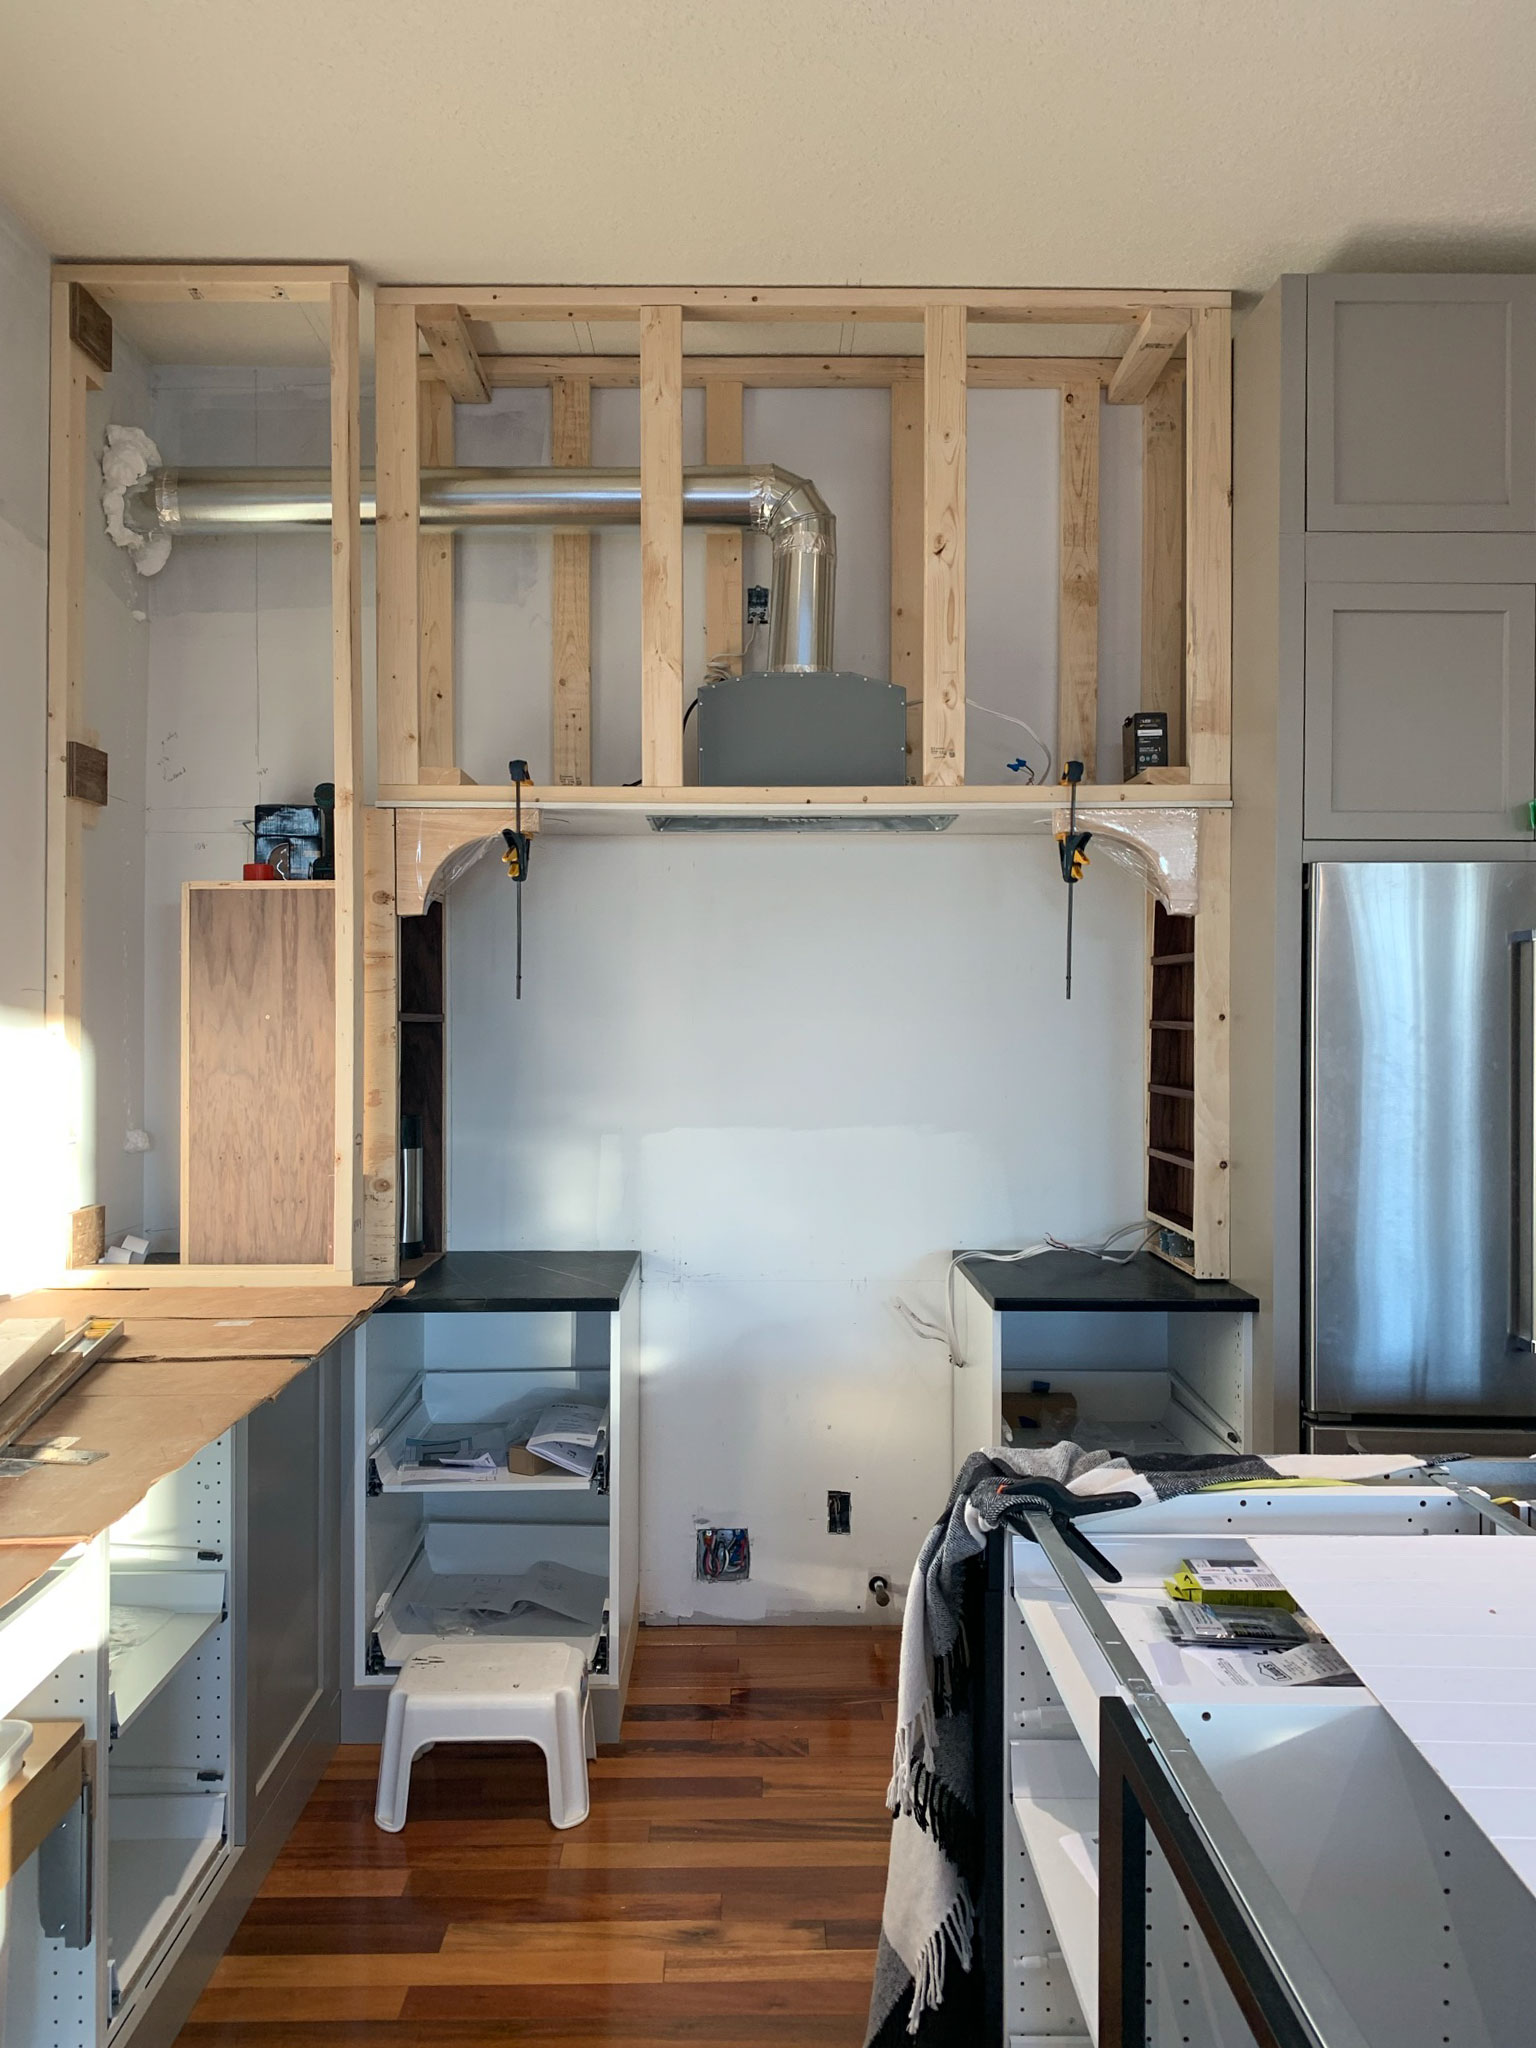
x=724, y=618
x=397, y=489
x=661, y=545
x=830, y=304
x=334, y=1080
x=381, y=1051
x=347, y=771
x=1162, y=554
x=434, y=846
x=446, y=333
x=1077, y=685
x=907, y=561
x=795, y=372
x=1158, y=334
x=1208, y=547
x=944, y=544
x=1213, y=1034
x=571, y=595
x=435, y=596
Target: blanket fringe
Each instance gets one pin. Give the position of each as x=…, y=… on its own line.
x=953, y=1932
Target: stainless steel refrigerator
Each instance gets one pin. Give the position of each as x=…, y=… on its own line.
x=1421, y=1157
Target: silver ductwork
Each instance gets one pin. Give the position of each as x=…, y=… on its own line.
x=762, y=499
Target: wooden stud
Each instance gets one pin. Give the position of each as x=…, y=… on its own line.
x=907, y=561
x=724, y=617
x=71, y=376
x=571, y=610
x=435, y=624
x=1162, y=556
x=794, y=372
x=397, y=528
x=446, y=333
x=347, y=769
x=1213, y=978
x=661, y=545
x=1208, y=548
x=1159, y=334
x=1077, y=682
x=944, y=544
x=381, y=1050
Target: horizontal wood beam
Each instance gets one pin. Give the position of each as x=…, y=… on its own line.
x=794, y=372
x=492, y=802
x=454, y=355
x=1159, y=335
x=1095, y=308
x=217, y=284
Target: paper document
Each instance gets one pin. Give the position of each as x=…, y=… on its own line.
x=569, y=1434
x=492, y=1603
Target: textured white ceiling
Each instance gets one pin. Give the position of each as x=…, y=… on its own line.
x=1107, y=142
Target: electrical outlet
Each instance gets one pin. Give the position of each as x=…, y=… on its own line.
x=722, y=1554
x=839, y=1514
x=757, y=604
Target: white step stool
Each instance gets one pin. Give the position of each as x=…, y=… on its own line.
x=493, y=1689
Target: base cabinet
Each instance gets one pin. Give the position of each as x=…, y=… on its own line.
x=197, y=1642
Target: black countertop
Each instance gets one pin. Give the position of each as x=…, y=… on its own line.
x=1073, y=1280
x=491, y=1283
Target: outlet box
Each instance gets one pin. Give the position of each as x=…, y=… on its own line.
x=721, y=1555
x=839, y=1514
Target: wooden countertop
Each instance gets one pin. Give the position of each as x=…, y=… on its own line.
x=193, y=1362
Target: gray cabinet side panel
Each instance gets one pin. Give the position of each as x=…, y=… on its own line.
x=1420, y=710
x=289, y=1585
x=1421, y=404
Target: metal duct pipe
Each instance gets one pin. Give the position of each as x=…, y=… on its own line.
x=763, y=499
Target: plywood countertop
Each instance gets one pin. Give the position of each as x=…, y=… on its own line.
x=194, y=1361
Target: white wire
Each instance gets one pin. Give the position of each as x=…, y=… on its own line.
x=1009, y=719
x=949, y=1333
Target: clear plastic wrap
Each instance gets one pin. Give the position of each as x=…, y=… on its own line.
x=1161, y=847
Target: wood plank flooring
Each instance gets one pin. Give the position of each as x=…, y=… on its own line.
x=726, y=1889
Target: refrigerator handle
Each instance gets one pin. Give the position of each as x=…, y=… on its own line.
x=1522, y=1160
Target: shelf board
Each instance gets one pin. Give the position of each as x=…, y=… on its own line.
x=894, y=797
x=168, y=1612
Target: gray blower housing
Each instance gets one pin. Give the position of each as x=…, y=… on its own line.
x=791, y=727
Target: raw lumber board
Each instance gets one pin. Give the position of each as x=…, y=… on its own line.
x=211, y=1304
x=150, y=1419
x=34, y=1802
x=24, y=1346
x=245, y=1337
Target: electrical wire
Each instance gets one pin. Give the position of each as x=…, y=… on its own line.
x=1008, y=718
x=948, y=1332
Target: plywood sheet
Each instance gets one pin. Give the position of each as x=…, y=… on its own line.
x=237, y=1338
x=150, y=1418
x=258, y=1074
x=23, y=1564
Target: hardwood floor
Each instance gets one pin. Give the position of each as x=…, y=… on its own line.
x=726, y=1888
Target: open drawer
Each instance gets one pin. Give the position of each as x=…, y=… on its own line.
x=463, y=1572
x=489, y=1410
x=160, y=1613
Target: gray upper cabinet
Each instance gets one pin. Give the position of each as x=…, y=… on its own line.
x=1421, y=404
x=1420, y=710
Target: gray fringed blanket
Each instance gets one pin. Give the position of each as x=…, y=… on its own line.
x=934, y=1876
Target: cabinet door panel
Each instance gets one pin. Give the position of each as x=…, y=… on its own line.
x=1421, y=404
x=1420, y=710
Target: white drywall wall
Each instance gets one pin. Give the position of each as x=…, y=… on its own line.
x=792, y=1072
